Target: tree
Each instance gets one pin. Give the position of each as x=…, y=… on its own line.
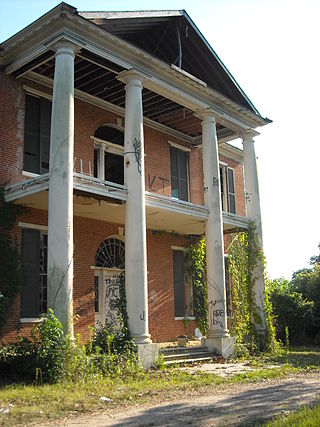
x=296, y=304
x=307, y=283
x=291, y=310
x=316, y=258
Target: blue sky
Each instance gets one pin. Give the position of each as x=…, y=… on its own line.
x=271, y=48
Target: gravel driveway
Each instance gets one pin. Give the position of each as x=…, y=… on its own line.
x=231, y=405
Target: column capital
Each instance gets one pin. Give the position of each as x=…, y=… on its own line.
x=249, y=134
x=66, y=48
x=206, y=115
x=131, y=77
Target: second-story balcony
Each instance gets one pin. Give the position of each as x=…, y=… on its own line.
x=103, y=200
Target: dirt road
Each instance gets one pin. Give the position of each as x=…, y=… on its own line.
x=233, y=405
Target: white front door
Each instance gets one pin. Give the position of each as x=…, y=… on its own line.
x=107, y=284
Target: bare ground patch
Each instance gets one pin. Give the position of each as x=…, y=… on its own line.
x=224, y=405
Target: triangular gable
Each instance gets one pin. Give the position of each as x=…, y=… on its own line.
x=174, y=38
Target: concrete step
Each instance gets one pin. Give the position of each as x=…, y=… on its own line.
x=186, y=355
x=182, y=350
x=191, y=355
x=188, y=361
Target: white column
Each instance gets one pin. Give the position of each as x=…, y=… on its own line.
x=214, y=231
x=254, y=213
x=135, y=227
x=60, y=210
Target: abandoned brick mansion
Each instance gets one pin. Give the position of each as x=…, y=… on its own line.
x=114, y=136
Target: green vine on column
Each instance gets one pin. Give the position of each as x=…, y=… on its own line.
x=122, y=305
x=245, y=259
x=195, y=258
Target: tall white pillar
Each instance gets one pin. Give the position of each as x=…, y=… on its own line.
x=218, y=335
x=60, y=210
x=135, y=227
x=254, y=212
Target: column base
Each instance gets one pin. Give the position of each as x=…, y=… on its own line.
x=147, y=354
x=142, y=339
x=223, y=346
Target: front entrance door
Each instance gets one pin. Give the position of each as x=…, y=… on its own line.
x=107, y=284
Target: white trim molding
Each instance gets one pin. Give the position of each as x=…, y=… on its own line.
x=33, y=226
x=179, y=146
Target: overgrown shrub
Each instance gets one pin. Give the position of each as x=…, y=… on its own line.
x=291, y=310
x=18, y=361
x=50, y=356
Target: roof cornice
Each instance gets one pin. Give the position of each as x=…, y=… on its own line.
x=65, y=19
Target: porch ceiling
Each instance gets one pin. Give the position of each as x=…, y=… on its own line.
x=97, y=76
x=157, y=218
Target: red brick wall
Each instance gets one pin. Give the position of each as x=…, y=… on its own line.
x=163, y=327
x=87, y=119
x=11, y=129
x=88, y=235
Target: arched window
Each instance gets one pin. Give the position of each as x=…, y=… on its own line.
x=110, y=134
x=110, y=254
x=108, y=154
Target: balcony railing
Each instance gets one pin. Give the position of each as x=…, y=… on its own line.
x=89, y=184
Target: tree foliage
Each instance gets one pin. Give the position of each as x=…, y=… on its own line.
x=291, y=309
x=297, y=304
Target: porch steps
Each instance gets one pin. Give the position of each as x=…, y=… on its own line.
x=186, y=355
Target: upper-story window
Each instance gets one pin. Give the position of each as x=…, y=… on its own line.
x=108, y=154
x=228, y=194
x=37, y=135
x=179, y=165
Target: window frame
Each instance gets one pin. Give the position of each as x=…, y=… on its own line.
x=224, y=188
x=103, y=148
x=186, y=152
x=185, y=285
x=41, y=230
x=40, y=134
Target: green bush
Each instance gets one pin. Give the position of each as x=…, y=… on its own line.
x=50, y=356
x=291, y=311
x=307, y=283
x=113, y=353
x=18, y=361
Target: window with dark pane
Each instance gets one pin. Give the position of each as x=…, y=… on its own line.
x=37, y=128
x=179, y=173
x=43, y=272
x=110, y=134
x=231, y=192
x=96, y=294
x=110, y=254
x=178, y=281
x=33, y=296
x=183, y=289
x=96, y=162
x=222, y=187
x=113, y=168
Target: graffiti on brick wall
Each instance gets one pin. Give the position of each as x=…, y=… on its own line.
x=153, y=182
